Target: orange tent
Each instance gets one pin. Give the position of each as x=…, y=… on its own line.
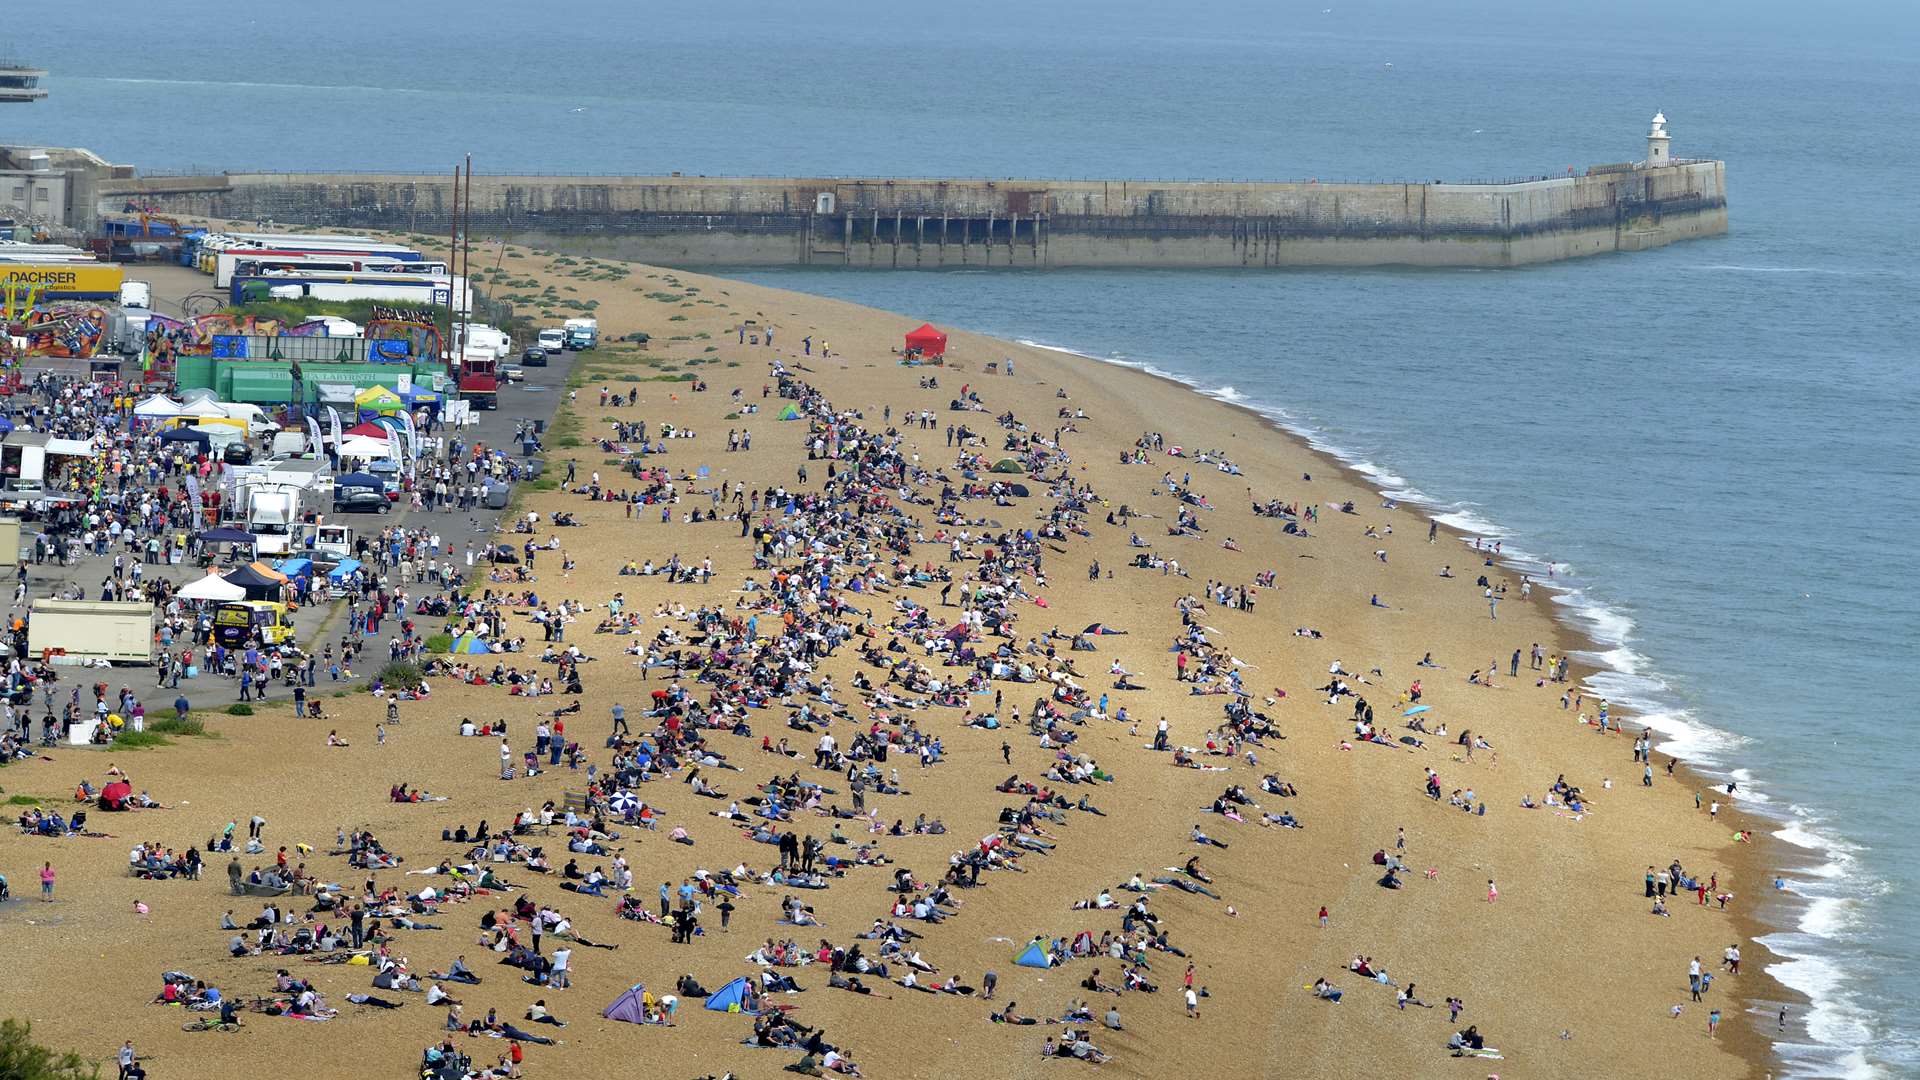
x=929, y=341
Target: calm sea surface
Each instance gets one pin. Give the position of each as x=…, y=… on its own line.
x=1715, y=442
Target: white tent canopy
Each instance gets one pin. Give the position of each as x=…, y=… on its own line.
x=366, y=447
x=212, y=587
x=158, y=407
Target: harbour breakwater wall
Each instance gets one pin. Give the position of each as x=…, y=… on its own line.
x=906, y=223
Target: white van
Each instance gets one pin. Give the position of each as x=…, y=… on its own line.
x=136, y=294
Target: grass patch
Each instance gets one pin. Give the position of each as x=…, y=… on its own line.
x=175, y=726
x=241, y=709
x=23, y=800
x=440, y=643
x=140, y=740
x=401, y=676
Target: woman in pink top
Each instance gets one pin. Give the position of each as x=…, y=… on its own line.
x=46, y=883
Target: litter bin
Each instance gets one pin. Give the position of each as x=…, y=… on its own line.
x=497, y=496
x=539, y=427
x=535, y=467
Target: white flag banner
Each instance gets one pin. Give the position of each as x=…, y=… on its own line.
x=333, y=424
x=313, y=434
x=413, y=440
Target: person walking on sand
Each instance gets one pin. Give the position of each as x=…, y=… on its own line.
x=46, y=884
x=1493, y=891
x=126, y=1058
x=1713, y=1023
x=1493, y=604
x=1323, y=916
x=1693, y=978
x=1193, y=1004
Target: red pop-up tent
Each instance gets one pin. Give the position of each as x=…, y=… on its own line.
x=929, y=341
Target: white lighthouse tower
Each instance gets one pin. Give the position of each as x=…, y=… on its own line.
x=1657, y=142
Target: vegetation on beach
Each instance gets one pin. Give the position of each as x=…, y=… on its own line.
x=23, y=1059
x=401, y=676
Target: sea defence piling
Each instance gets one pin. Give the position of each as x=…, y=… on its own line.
x=928, y=223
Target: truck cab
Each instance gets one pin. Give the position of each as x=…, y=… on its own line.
x=272, y=514
x=582, y=334
x=479, y=383
x=327, y=543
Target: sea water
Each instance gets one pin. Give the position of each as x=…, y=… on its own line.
x=1712, y=445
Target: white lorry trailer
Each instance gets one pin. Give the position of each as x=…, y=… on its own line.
x=75, y=631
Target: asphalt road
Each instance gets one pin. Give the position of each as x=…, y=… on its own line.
x=535, y=399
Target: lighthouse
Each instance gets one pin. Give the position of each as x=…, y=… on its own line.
x=1657, y=140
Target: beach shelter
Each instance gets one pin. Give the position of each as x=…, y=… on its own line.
x=1033, y=956
x=115, y=795
x=468, y=645
x=929, y=341
x=729, y=998
x=214, y=588
x=789, y=413
x=1099, y=629
x=630, y=1007
x=1007, y=465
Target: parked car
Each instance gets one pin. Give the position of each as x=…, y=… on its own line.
x=534, y=357
x=360, y=500
x=513, y=374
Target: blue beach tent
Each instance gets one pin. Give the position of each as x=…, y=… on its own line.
x=1034, y=956
x=728, y=997
x=468, y=645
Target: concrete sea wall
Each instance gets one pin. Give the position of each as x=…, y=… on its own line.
x=730, y=221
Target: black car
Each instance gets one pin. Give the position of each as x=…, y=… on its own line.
x=361, y=500
x=534, y=356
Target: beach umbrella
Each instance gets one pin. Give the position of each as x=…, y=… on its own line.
x=623, y=802
x=1416, y=710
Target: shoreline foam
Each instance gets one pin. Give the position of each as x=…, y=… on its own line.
x=1792, y=931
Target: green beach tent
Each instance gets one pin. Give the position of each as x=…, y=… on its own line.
x=789, y=413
